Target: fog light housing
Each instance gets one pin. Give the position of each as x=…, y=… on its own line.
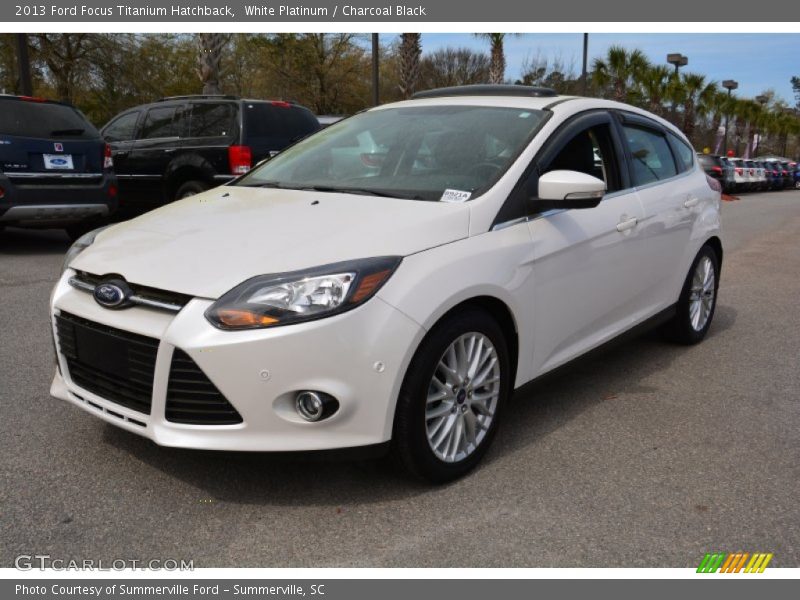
x=314, y=406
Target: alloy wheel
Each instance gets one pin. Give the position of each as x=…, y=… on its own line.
x=462, y=397
x=701, y=295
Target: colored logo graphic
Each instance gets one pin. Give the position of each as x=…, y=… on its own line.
x=724, y=562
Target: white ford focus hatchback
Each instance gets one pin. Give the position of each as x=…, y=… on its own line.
x=389, y=281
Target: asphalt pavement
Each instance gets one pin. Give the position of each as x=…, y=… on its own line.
x=647, y=455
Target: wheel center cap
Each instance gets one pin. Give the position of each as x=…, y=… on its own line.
x=461, y=396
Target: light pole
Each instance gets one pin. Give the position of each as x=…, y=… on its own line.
x=678, y=60
x=376, y=97
x=730, y=85
x=584, y=73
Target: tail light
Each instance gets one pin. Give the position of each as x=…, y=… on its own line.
x=108, y=162
x=717, y=170
x=281, y=104
x=738, y=171
x=112, y=191
x=32, y=99
x=2, y=193
x=714, y=184
x=240, y=159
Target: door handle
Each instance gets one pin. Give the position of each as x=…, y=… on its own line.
x=691, y=202
x=168, y=150
x=627, y=224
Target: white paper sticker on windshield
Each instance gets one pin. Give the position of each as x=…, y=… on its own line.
x=455, y=196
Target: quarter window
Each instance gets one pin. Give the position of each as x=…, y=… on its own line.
x=651, y=155
x=684, y=152
x=212, y=120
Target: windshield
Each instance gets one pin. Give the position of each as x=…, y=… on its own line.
x=421, y=153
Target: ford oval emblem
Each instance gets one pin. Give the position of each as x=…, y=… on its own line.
x=111, y=295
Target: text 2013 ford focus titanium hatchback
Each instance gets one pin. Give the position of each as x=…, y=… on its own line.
x=391, y=279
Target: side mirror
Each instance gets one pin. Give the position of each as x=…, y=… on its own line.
x=569, y=189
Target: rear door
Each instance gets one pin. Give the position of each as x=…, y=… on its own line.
x=587, y=272
x=119, y=134
x=671, y=201
x=156, y=143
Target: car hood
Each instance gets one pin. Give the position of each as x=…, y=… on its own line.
x=206, y=244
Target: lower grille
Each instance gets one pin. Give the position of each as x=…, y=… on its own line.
x=114, y=364
x=193, y=399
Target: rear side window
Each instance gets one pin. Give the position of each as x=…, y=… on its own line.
x=158, y=123
x=122, y=128
x=44, y=120
x=212, y=120
x=652, y=157
x=280, y=122
x=684, y=153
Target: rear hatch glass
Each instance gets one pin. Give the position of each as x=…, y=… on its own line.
x=44, y=120
x=48, y=138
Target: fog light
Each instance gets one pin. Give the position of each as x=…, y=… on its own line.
x=315, y=406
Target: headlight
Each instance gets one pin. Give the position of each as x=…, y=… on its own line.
x=81, y=244
x=272, y=300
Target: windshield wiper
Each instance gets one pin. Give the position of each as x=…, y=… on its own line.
x=58, y=132
x=358, y=190
x=334, y=190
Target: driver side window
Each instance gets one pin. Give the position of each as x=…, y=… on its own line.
x=592, y=152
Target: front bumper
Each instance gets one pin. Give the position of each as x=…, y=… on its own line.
x=359, y=357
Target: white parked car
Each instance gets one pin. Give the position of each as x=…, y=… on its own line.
x=299, y=308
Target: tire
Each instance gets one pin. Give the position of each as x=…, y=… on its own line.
x=461, y=412
x=697, y=302
x=190, y=188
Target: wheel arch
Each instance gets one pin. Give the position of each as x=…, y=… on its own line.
x=186, y=168
x=716, y=245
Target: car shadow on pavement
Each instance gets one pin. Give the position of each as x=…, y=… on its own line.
x=539, y=408
x=606, y=374
x=23, y=242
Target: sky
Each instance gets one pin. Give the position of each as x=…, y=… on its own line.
x=757, y=61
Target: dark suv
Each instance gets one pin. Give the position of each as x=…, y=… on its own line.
x=184, y=145
x=55, y=169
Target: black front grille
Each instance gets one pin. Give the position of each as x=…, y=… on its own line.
x=193, y=399
x=114, y=364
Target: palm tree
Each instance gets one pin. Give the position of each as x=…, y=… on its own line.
x=497, y=65
x=209, y=59
x=653, y=82
x=409, y=55
x=619, y=70
x=695, y=92
x=745, y=111
x=717, y=106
